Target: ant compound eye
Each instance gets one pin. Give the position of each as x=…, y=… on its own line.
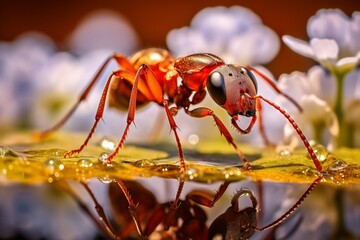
x=252, y=77
x=216, y=87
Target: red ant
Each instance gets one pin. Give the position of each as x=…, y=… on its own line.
x=151, y=75
x=186, y=219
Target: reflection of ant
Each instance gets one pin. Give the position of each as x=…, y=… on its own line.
x=180, y=219
x=151, y=75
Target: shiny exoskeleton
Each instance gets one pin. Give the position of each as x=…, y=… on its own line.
x=151, y=75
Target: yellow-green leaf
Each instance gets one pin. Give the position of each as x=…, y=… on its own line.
x=25, y=159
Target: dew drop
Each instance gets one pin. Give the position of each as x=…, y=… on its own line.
x=192, y=173
x=337, y=165
x=54, y=166
x=231, y=172
x=84, y=163
x=3, y=151
x=144, y=163
x=106, y=179
x=320, y=152
x=103, y=157
x=337, y=171
x=284, y=152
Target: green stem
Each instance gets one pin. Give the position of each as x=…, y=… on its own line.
x=344, y=138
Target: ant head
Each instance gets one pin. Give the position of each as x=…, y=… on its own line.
x=236, y=223
x=232, y=87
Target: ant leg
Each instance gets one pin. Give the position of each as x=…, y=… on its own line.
x=174, y=205
x=143, y=73
x=170, y=113
x=99, y=209
x=132, y=206
x=204, y=112
x=122, y=62
x=98, y=116
x=106, y=229
x=273, y=85
x=297, y=129
x=293, y=208
x=204, y=198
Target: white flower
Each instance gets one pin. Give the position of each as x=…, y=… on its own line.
x=19, y=63
x=334, y=40
x=235, y=34
x=104, y=29
x=315, y=93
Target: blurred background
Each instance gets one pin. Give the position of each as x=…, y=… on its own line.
x=152, y=20
x=42, y=73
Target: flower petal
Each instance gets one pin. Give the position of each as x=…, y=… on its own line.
x=186, y=41
x=299, y=46
x=315, y=111
x=322, y=84
x=223, y=23
x=347, y=64
x=326, y=51
x=355, y=33
x=330, y=24
x=259, y=45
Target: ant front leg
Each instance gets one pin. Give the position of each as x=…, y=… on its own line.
x=297, y=129
x=205, y=198
x=204, y=112
x=293, y=208
x=122, y=62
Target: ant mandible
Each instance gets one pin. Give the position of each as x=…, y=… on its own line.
x=151, y=75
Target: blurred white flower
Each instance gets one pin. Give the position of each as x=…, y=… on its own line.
x=40, y=84
x=45, y=212
x=352, y=104
x=315, y=92
x=19, y=63
x=334, y=40
x=235, y=34
x=104, y=29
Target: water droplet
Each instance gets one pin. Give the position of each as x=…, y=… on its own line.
x=231, y=172
x=103, y=158
x=320, y=151
x=84, y=163
x=107, y=144
x=337, y=171
x=106, y=179
x=284, y=152
x=54, y=166
x=3, y=151
x=337, y=165
x=193, y=139
x=144, y=163
x=192, y=173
